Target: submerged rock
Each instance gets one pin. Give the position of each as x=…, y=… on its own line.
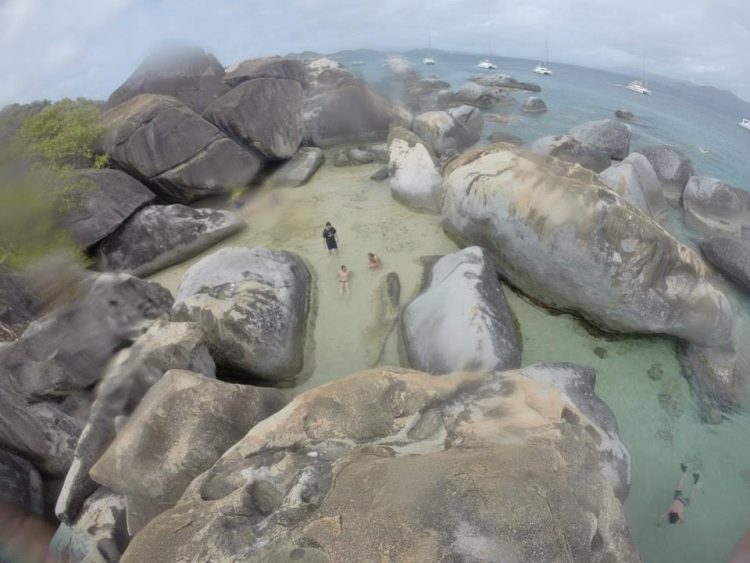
x=473, y=94
x=253, y=305
x=299, y=169
x=161, y=235
x=323, y=478
x=107, y=199
x=607, y=135
x=502, y=137
x=264, y=114
x=713, y=206
x=380, y=174
x=504, y=81
x=183, y=424
x=635, y=180
x=569, y=149
x=713, y=375
x=443, y=133
x=461, y=321
x=188, y=74
x=532, y=104
x=360, y=156
x=414, y=171
x=624, y=114
x=554, y=230
x=731, y=256
x=672, y=168
x=172, y=149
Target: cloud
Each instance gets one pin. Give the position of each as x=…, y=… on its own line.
x=54, y=49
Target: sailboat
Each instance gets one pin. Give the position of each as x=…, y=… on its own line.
x=429, y=60
x=486, y=63
x=744, y=123
x=640, y=86
x=542, y=68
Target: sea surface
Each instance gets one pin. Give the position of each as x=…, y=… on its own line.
x=638, y=377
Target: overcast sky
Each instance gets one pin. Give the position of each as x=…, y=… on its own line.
x=57, y=48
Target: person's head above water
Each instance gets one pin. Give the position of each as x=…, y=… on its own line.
x=371, y=255
x=328, y=223
x=674, y=517
x=343, y=267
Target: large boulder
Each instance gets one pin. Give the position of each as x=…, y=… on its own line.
x=533, y=104
x=504, y=81
x=717, y=381
x=568, y=241
x=608, y=135
x=713, y=206
x=672, y=167
x=635, y=180
x=468, y=116
x=731, y=256
x=569, y=149
x=188, y=74
x=263, y=113
x=107, y=199
x=473, y=94
x=267, y=67
x=466, y=467
x=443, y=133
x=340, y=108
x=161, y=235
x=129, y=376
x=172, y=149
x=461, y=320
x=298, y=169
x=20, y=483
x=423, y=94
x=183, y=424
x=253, y=305
x=98, y=534
x=18, y=306
x=624, y=114
x=414, y=171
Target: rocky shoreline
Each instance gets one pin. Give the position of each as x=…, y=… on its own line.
x=149, y=425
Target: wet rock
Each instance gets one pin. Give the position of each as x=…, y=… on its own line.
x=468, y=116
x=342, y=158
x=183, y=424
x=672, y=168
x=299, y=169
x=107, y=199
x=323, y=478
x=98, y=534
x=268, y=67
x=461, y=321
x=714, y=378
x=635, y=180
x=656, y=371
x=380, y=151
x=380, y=174
x=188, y=74
x=553, y=229
x=713, y=206
x=162, y=235
x=532, y=104
x=473, y=94
x=569, y=149
x=607, y=135
x=501, y=137
x=731, y=257
x=504, y=81
x=166, y=145
x=264, y=114
x=624, y=114
x=253, y=304
x=601, y=352
x=20, y=483
x=443, y=133
x=414, y=171
x=360, y=156
x=129, y=376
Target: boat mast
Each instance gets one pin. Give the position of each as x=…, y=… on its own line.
x=429, y=42
x=546, y=53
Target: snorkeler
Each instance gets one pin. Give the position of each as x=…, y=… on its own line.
x=680, y=500
x=344, y=281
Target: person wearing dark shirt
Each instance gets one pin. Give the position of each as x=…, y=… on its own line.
x=329, y=235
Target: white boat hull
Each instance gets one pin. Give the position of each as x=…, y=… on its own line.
x=744, y=125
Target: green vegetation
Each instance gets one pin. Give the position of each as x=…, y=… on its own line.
x=38, y=181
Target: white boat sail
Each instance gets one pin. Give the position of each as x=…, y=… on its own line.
x=429, y=61
x=640, y=86
x=543, y=69
x=744, y=123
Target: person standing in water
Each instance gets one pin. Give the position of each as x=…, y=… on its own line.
x=344, y=281
x=331, y=241
x=373, y=261
x=680, y=498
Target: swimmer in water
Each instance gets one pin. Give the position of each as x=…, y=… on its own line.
x=680, y=498
x=373, y=261
x=344, y=281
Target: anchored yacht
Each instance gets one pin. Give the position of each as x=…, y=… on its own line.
x=428, y=61
x=639, y=87
x=744, y=123
x=543, y=68
x=485, y=63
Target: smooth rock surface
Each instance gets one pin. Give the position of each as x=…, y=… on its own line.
x=414, y=171
x=188, y=74
x=298, y=169
x=473, y=94
x=166, y=145
x=183, y=424
x=569, y=149
x=731, y=256
x=444, y=134
x=162, y=235
x=363, y=466
x=607, y=135
x=20, y=483
x=468, y=116
x=502, y=137
x=717, y=383
x=268, y=67
x=713, y=206
x=264, y=114
x=532, y=104
x=107, y=199
x=672, y=167
x=635, y=180
x=129, y=376
x=504, y=81
x=563, y=238
x=253, y=305
x=461, y=321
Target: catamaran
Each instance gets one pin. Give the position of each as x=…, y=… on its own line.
x=486, y=63
x=429, y=60
x=542, y=68
x=744, y=123
x=640, y=86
